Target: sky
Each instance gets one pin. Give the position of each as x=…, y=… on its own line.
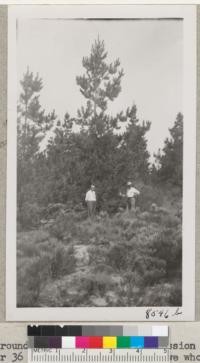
x=150, y=52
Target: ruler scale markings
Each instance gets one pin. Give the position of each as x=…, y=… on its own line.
x=107, y=356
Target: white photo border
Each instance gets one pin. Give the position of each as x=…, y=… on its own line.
x=110, y=314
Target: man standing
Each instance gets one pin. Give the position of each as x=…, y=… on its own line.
x=90, y=199
x=131, y=193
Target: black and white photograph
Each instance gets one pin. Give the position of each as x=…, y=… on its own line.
x=101, y=162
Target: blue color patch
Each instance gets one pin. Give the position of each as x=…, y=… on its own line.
x=137, y=342
x=150, y=342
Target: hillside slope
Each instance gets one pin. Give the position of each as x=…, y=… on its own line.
x=125, y=260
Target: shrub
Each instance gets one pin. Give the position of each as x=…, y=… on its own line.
x=30, y=250
x=149, y=195
x=163, y=294
x=29, y=215
x=31, y=278
x=168, y=246
x=63, y=261
x=117, y=257
x=63, y=225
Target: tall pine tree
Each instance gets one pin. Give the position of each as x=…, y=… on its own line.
x=100, y=84
x=170, y=160
x=32, y=126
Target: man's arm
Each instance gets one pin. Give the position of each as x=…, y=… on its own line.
x=86, y=197
x=136, y=191
x=122, y=195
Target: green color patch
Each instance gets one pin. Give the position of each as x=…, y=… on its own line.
x=123, y=342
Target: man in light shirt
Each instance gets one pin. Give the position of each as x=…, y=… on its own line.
x=90, y=199
x=131, y=193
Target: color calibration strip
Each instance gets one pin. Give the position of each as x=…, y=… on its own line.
x=62, y=338
x=119, y=342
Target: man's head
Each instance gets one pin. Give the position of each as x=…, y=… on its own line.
x=129, y=184
x=92, y=187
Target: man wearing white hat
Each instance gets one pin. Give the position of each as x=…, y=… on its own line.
x=90, y=199
x=131, y=193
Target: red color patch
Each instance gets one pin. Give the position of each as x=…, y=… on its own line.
x=95, y=342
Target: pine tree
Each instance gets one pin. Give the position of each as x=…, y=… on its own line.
x=109, y=158
x=134, y=163
x=100, y=84
x=170, y=159
x=29, y=99
x=32, y=125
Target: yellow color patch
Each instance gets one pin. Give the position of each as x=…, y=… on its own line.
x=109, y=342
